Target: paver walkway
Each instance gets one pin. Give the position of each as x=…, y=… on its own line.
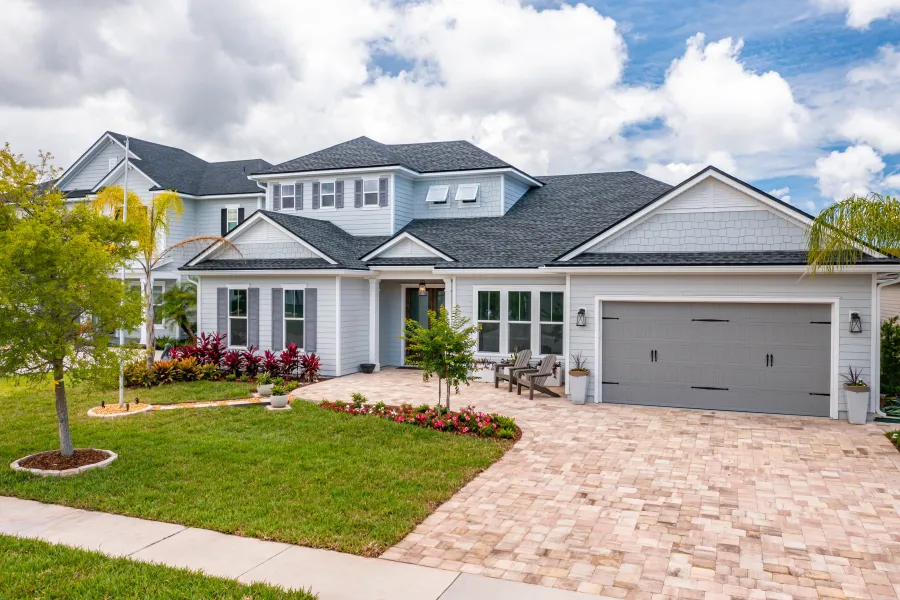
x=331, y=575
x=638, y=502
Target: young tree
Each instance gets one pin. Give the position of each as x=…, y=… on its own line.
x=837, y=234
x=58, y=301
x=178, y=304
x=446, y=349
x=152, y=223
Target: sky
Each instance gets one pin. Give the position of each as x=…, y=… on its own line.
x=798, y=97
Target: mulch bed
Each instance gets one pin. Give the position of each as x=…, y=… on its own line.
x=55, y=461
x=113, y=409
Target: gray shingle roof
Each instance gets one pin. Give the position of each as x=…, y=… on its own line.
x=362, y=152
x=700, y=259
x=257, y=264
x=175, y=169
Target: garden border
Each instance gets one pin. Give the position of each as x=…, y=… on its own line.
x=91, y=412
x=67, y=472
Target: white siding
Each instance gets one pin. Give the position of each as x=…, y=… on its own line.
x=890, y=301
x=326, y=337
x=403, y=202
x=512, y=191
x=355, y=221
x=853, y=291
x=354, y=324
x=95, y=168
x=391, y=326
x=711, y=195
x=489, y=203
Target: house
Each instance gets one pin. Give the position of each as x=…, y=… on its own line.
x=217, y=196
x=693, y=296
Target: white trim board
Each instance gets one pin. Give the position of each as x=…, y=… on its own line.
x=405, y=236
x=89, y=153
x=835, y=330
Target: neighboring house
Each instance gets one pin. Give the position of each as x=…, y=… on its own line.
x=217, y=196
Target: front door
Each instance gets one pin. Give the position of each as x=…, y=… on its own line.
x=417, y=306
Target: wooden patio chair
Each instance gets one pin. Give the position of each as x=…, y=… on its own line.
x=512, y=369
x=534, y=379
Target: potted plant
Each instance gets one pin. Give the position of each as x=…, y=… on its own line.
x=556, y=378
x=856, y=390
x=264, y=385
x=579, y=379
x=484, y=370
x=279, y=397
x=367, y=367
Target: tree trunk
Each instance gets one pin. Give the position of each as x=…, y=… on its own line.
x=62, y=410
x=148, y=323
x=448, y=395
x=440, y=388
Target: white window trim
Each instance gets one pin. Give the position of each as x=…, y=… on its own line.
x=246, y=289
x=560, y=323
x=292, y=196
x=237, y=217
x=322, y=195
x=502, y=343
x=285, y=319
x=377, y=193
x=509, y=321
x=443, y=202
x=504, y=315
x=474, y=201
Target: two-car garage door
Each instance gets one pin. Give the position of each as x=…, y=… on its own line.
x=771, y=358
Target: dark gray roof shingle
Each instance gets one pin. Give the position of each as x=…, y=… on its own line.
x=700, y=259
x=258, y=264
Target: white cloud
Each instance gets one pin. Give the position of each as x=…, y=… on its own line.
x=782, y=194
x=856, y=170
x=861, y=13
x=874, y=117
x=891, y=182
x=879, y=129
x=674, y=173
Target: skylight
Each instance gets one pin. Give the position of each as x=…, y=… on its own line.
x=437, y=194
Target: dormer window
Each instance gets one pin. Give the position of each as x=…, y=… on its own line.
x=370, y=192
x=467, y=193
x=437, y=194
x=287, y=195
x=328, y=195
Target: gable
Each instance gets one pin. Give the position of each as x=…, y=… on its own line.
x=407, y=248
x=95, y=168
x=262, y=239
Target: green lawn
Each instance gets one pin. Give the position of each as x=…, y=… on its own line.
x=35, y=569
x=307, y=476
x=195, y=391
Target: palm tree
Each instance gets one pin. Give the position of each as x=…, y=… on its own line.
x=838, y=235
x=153, y=221
x=177, y=304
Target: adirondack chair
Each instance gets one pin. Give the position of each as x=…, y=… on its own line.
x=511, y=369
x=534, y=379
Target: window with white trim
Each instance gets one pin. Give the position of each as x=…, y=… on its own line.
x=157, y=293
x=467, y=193
x=370, y=192
x=231, y=217
x=237, y=317
x=287, y=195
x=489, y=321
x=551, y=321
x=518, y=321
x=327, y=195
x=111, y=164
x=437, y=194
x=293, y=318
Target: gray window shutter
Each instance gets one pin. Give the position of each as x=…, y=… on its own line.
x=253, y=317
x=357, y=193
x=298, y=195
x=315, y=194
x=240, y=215
x=383, y=191
x=276, y=196
x=277, y=318
x=339, y=194
x=222, y=310
x=310, y=327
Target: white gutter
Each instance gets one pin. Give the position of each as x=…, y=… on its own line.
x=876, y=335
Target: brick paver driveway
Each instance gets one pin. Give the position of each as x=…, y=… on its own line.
x=631, y=502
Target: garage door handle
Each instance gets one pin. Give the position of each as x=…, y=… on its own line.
x=703, y=387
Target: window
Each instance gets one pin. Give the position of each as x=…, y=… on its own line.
x=551, y=323
x=370, y=192
x=489, y=321
x=111, y=164
x=467, y=192
x=327, y=194
x=293, y=318
x=157, y=292
x=287, y=195
x=519, y=313
x=437, y=194
x=231, y=218
x=237, y=318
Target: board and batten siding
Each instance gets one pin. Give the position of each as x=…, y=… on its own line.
x=354, y=324
x=488, y=203
x=96, y=168
x=853, y=291
x=368, y=220
x=390, y=304
x=326, y=338
x=404, y=210
x=512, y=191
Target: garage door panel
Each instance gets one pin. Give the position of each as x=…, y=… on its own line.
x=719, y=356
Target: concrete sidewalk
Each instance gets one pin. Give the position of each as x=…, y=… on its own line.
x=331, y=575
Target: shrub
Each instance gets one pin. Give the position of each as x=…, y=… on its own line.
x=252, y=361
x=270, y=363
x=231, y=377
x=232, y=361
x=162, y=340
x=890, y=356
x=289, y=360
x=312, y=366
x=164, y=371
x=358, y=400
x=211, y=348
x=187, y=369
x=278, y=390
x=264, y=379
x=209, y=372
x=138, y=374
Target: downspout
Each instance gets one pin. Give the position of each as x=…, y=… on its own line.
x=894, y=278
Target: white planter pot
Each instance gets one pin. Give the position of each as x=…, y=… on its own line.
x=264, y=390
x=857, y=405
x=556, y=380
x=278, y=401
x=484, y=375
x=578, y=381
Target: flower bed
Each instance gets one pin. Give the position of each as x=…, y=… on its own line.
x=894, y=436
x=468, y=421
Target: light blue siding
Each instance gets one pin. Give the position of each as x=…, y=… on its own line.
x=404, y=209
x=391, y=324
x=512, y=191
x=95, y=169
x=354, y=324
x=489, y=203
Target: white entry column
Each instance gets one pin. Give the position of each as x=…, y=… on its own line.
x=448, y=294
x=374, y=321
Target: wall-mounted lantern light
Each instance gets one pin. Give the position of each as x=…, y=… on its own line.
x=855, y=323
x=581, y=319
x=422, y=290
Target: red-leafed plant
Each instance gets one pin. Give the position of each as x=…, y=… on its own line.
x=252, y=361
x=312, y=366
x=270, y=363
x=232, y=360
x=290, y=360
x=211, y=348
